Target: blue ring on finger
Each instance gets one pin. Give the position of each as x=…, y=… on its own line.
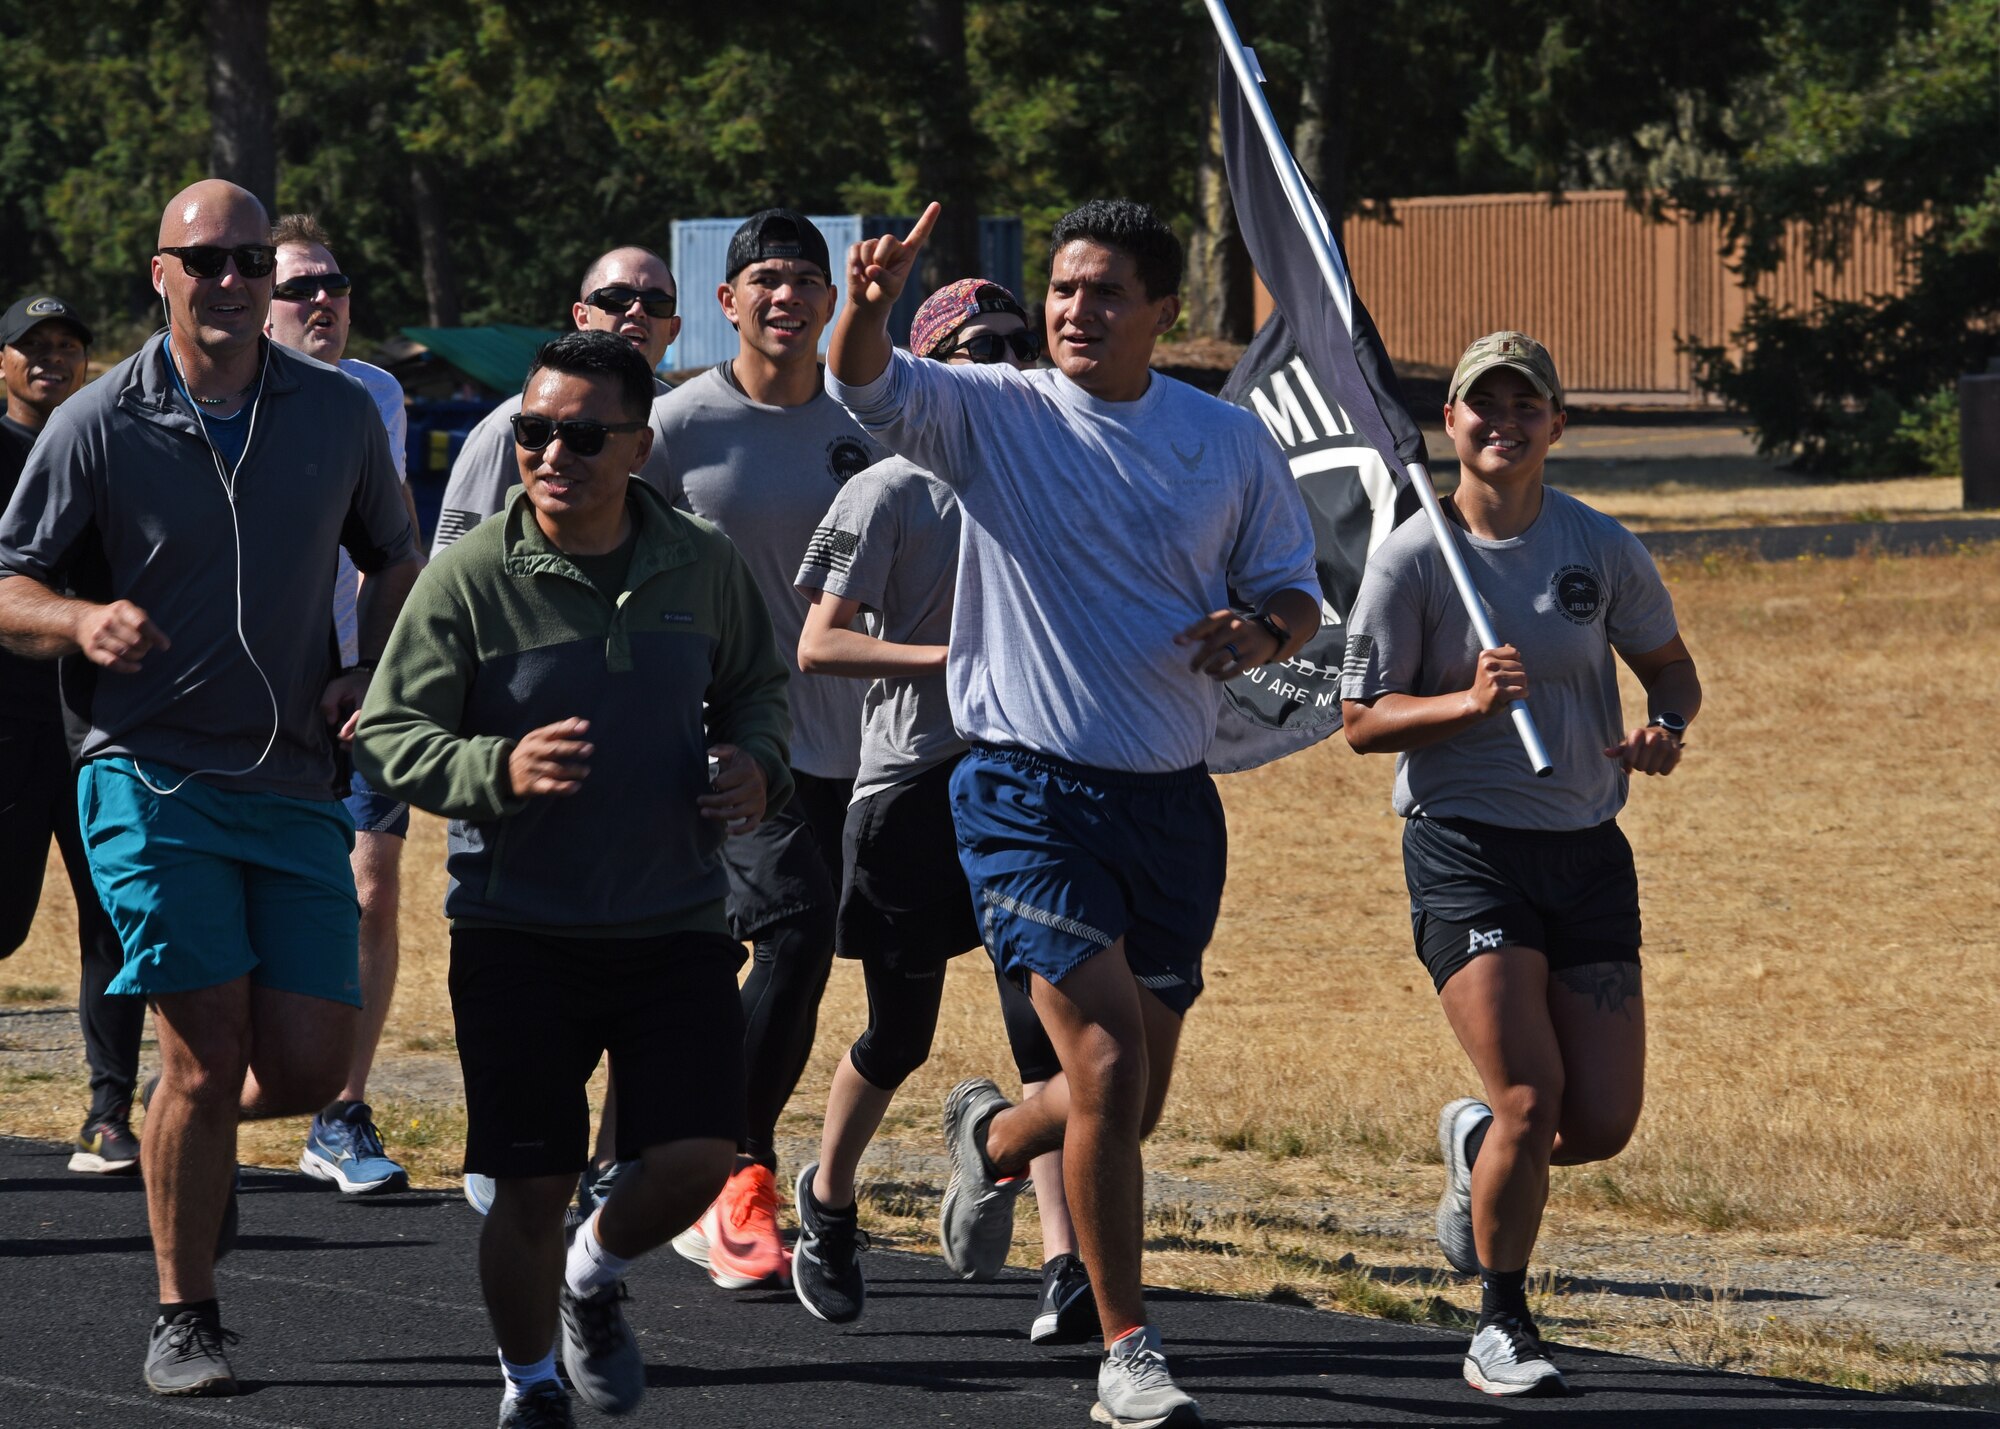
x=1234, y=652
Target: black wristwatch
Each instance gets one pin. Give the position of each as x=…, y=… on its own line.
x=1273, y=627
x=362, y=667
x=1672, y=723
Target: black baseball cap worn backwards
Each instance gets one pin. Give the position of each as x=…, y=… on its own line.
x=36, y=309
x=777, y=233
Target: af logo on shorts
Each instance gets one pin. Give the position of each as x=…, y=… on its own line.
x=846, y=457
x=1578, y=593
x=1482, y=940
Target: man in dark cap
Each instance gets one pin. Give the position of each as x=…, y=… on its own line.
x=756, y=447
x=44, y=347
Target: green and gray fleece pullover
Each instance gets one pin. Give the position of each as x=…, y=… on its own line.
x=503, y=635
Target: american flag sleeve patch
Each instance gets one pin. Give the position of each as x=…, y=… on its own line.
x=1355, y=666
x=453, y=524
x=832, y=549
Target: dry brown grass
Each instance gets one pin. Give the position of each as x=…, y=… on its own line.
x=1822, y=960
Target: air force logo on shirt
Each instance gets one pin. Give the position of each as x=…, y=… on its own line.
x=1578, y=593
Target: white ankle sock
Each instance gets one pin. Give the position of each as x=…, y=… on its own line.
x=520, y=1376
x=591, y=1267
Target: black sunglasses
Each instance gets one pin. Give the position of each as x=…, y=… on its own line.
x=207, y=260
x=993, y=347
x=618, y=297
x=580, y=435
x=304, y=289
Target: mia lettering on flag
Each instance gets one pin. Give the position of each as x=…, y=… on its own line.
x=1328, y=395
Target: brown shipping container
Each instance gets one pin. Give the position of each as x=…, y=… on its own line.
x=1610, y=292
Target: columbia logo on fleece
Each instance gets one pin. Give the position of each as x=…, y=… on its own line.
x=677, y=617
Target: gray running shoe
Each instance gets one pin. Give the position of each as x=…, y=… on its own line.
x=1506, y=1357
x=186, y=1357
x=598, y=1351
x=543, y=1405
x=976, y=1227
x=1134, y=1390
x=1454, y=1217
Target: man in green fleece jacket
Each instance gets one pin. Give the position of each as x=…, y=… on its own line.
x=560, y=686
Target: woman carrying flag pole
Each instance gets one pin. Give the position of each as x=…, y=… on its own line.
x=1523, y=897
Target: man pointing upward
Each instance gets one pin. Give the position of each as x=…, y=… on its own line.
x=1086, y=660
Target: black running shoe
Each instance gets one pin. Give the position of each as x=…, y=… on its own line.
x=106, y=1145
x=825, y=1272
x=542, y=1405
x=1067, y=1314
x=186, y=1357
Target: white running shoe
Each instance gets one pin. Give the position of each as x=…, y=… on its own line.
x=1506, y=1357
x=1454, y=1218
x=1134, y=1390
x=479, y=1192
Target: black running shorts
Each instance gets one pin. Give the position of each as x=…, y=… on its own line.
x=1572, y=894
x=790, y=863
x=534, y=1013
x=905, y=903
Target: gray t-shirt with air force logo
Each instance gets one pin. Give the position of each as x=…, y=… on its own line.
x=765, y=476
x=1567, y=592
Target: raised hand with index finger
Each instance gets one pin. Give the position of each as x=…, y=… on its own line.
x=879, y=268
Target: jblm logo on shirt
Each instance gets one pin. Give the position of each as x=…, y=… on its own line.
x=1578, y=593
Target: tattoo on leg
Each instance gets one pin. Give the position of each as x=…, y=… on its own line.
x=1608, y=985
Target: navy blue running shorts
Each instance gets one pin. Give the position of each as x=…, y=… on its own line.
x=1064, y=860
x=373, y=811
x=1571, y=894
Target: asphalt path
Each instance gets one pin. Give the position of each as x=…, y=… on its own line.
x=367, y=1312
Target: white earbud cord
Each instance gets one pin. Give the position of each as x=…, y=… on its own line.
x=227, y=475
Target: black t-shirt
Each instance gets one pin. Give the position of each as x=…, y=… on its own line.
x=608, y=571
x=27, y=687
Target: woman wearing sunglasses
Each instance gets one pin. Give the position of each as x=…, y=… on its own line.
x=880, y=573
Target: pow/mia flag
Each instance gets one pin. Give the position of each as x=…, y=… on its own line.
x=1333, y=404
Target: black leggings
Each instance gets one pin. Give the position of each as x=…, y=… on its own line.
x=789, y=964
x=37, y=802
x=902, y=1020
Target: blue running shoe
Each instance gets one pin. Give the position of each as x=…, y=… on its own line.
x=347, y=1150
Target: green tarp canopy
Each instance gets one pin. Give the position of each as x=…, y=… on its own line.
x=495, y=357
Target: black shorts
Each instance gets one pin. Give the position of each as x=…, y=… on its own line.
x=905, y=903
x=534, y=1012
x=1571, y=894
x=790, y=863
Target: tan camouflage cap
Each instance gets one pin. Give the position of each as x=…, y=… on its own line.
x=1508, y=349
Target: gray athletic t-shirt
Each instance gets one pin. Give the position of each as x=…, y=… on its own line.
x=765, y=475
x=1566, y=592
x=1095, y=532
x=486, y=471
x=890, y=543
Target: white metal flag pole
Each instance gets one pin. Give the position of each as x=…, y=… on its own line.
x=1318, y=236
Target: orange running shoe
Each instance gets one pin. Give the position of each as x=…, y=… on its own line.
x=737, y=1238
